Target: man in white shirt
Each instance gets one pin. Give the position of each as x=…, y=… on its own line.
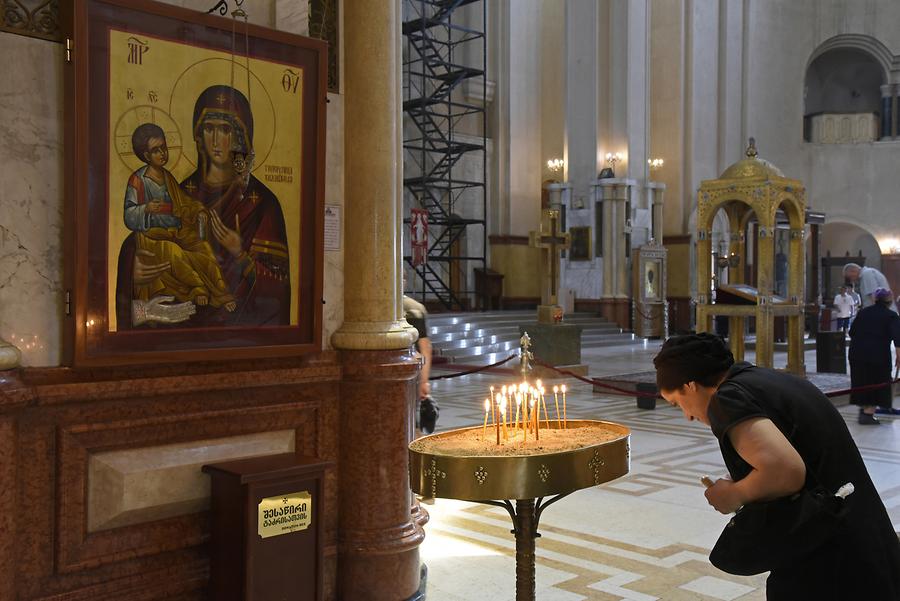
x=869, y=280
x=843, y=305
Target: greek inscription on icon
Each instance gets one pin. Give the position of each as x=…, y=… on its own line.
x=289, y=81
x=284, y=514
x=129, y=94
x=279, y=173
x=136, y=51
x=153, y=96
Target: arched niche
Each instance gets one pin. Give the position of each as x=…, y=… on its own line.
x=843, y=90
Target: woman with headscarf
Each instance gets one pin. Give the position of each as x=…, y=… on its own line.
x=778, y=434
x=871, y=334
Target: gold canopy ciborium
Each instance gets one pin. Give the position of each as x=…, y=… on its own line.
x=533, y=477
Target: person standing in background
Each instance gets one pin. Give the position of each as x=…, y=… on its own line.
x=868, y=279
x=843, y=305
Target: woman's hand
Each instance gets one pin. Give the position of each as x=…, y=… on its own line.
x=228, y=238
x=724, y=496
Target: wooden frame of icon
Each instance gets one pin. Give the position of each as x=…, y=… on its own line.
x=195, y=169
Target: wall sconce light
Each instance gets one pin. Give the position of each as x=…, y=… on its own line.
x=555, y=165
x=612, y=159
x=655, y=164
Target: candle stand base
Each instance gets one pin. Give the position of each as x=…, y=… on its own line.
x=526, y=515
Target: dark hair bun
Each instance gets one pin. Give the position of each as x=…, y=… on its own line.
x=700, y=357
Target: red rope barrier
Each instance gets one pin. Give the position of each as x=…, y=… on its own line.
x=475, y=370
x=638, y=393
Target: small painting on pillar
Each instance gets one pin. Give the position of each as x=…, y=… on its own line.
x=195, y=186
x=581, y=244
x=652, y=281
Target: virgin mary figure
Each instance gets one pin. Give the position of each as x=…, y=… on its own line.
x=247, y=230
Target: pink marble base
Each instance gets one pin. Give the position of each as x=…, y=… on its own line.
x=378, y=541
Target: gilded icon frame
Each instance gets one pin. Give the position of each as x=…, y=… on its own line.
x=216, y=250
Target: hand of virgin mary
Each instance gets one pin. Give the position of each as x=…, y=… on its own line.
x=228, y=238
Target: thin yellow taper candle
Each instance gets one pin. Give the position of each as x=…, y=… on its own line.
x=565, y=414
x=556, y=400
x=487, y=408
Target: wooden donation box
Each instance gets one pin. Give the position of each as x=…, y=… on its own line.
x=650, y=314
x=266, y=527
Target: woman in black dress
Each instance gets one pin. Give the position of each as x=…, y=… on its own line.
x=870, y=355
x=778, y=433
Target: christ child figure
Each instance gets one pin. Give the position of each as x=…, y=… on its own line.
x=169, y=227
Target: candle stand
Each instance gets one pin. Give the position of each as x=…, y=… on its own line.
x=533, y=479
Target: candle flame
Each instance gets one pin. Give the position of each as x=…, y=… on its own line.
x=555, y=389
x=487, y=405
x=563, y=387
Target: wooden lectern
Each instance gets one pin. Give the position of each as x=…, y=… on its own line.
x=266, y=527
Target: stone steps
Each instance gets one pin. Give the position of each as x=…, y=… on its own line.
x=481, y=338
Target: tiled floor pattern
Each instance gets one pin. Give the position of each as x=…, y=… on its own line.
x=642, y=537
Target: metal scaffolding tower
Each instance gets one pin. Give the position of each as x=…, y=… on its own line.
x=436, y=152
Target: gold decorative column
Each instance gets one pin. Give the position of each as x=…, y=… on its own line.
x=796, y=295
x=765, y=278
x=378, y=557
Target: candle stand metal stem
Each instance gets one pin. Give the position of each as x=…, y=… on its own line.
x=526, y=516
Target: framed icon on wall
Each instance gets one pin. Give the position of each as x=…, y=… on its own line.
x=195, y=186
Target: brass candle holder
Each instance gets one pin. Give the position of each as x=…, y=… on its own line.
x=532, y=476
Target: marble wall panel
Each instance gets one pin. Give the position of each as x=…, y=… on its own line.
x=31, y=208
x=333, y=290
x=152, y=483
x=32, y=186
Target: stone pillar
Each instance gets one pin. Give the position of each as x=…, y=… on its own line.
x=621, y=264
x=887, y=101
x=614, y=300
x=608, y=241
x=581, y=95
x=656, y=190
x=8, y=517
x=378, y=557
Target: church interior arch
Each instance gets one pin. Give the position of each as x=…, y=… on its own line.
x=841, y=80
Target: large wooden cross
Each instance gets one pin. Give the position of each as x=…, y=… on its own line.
x=555, y=242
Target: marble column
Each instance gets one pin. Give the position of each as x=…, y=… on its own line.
x=887, y=101
x=608, y=241
x=656, y=189
x=581, y=96
x=8, y=463
x=378, y=558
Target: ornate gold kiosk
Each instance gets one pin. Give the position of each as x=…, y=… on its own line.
x=533, y=476
x=754, y=186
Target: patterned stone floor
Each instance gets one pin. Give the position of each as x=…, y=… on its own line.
x=642, y=537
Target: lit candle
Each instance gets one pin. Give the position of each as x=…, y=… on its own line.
x=492, y=395
x=565, y=414
x=556, y=400
x=518, y=398
x=487, y=408
x=494, y=420
x=503, y=416
x=534, y=413
x=544, y=405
